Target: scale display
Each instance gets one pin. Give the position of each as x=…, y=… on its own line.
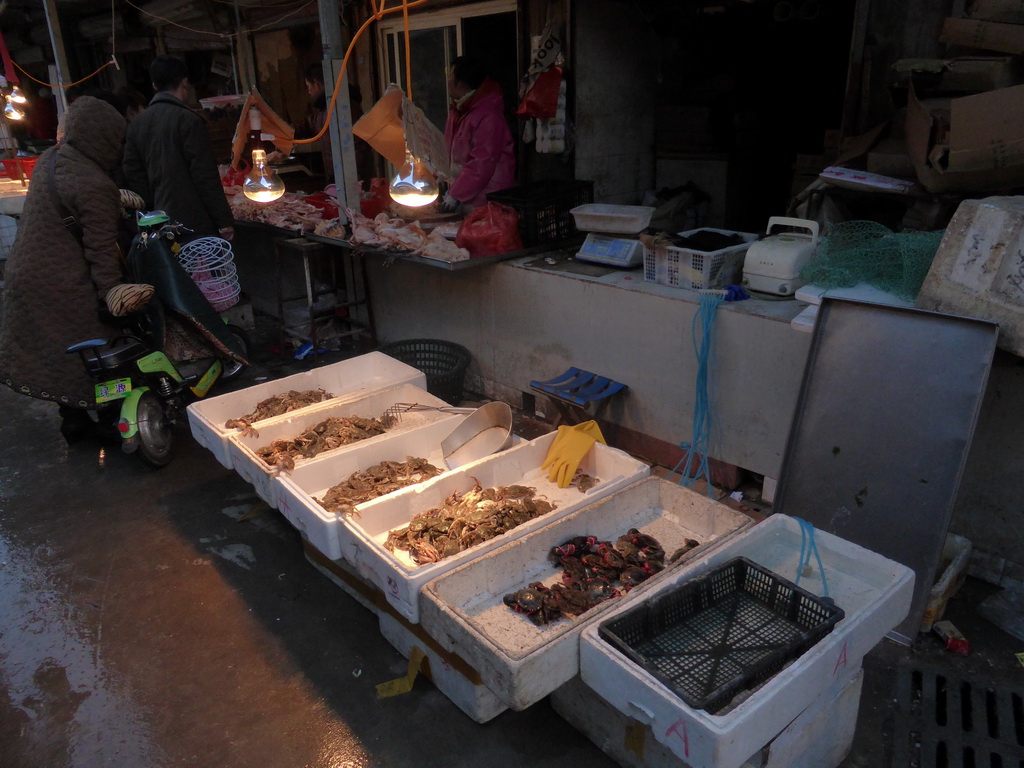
x=614, y=250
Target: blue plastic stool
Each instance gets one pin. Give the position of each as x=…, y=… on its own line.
x=578, y=395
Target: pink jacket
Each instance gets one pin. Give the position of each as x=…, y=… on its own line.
x=479, y=140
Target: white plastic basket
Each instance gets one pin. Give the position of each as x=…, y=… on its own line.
x=687, y=268
x=210, y=263
x=620, y=219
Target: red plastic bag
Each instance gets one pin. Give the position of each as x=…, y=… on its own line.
x=542, y=98
x=375, y=199
x=490, y=229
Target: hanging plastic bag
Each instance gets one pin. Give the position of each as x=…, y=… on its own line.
x=490, y=229
x=541, y=99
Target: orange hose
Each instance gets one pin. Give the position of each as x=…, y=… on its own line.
x=376, y=16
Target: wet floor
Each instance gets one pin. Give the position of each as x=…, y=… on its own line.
x=150, y=618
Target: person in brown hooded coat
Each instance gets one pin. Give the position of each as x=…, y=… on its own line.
x=54, y=283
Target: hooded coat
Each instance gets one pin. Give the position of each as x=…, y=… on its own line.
x=169, y=162
x=480, y=143
x=54, y=285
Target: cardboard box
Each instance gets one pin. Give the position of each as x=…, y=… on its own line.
x=984, y=35
x=1009, y=11
x=967, y=144
x=964, y=74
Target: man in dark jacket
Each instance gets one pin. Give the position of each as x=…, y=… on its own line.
x=167, y=156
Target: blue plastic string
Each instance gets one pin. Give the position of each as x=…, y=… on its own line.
x=808, y=546
x=704, y=325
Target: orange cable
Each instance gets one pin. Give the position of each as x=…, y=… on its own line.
x=344, y=63
x=69, y=85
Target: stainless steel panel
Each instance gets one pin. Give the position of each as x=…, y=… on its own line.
x=887, y=409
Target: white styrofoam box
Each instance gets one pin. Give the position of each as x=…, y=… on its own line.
x=362, y=538
x=620, y=219
x=521, y=662
x=820, y=736
x=263, y=477
x=346, y=380
x=298, y=491
x=449, y=674
x=873, y=591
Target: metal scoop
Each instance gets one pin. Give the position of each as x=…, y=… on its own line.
x=487, y=430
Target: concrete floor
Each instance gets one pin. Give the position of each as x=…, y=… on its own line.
x=147, y=620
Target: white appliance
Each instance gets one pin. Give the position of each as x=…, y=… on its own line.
x=615, y=250
x=772, y=264
x=614, y=231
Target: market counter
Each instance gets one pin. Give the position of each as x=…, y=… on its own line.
x=534, y=316
x=12, y=196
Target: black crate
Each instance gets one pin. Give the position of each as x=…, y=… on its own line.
x=722, y=633
x=443, y=362
x=544, y=208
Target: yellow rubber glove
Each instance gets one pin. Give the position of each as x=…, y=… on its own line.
x=568, y=448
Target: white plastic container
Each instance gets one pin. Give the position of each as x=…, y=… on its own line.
x=252, y=468
x=298, y=491
x=686, y=268
x=874, y=592
x=449, y=673
x=521, y=662
x=362, y=538
x=346, y=380
x=820, y=737
x=956, y=554
x=619, y=219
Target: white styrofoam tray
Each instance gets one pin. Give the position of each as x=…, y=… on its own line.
x=346, y=380
x=252, y=468
x=362, y=538
x=621, y=219
x=874, y=592
x=298, y=491
x=449, y=675
x=820, y=737
x=521, y=662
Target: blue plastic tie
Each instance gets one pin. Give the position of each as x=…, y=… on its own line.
x=704, y=322
x=807, y=546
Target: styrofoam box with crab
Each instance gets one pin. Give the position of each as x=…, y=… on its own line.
x=346, y=380
x=520, y=661
x=363, y=536
x=297, y=491
x=873, y=591
x=247, y=462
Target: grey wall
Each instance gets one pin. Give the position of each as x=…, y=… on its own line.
x=615, y=79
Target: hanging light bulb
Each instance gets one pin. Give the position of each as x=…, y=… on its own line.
x=17, y=96
x=413, y=185
x=262, y=185
x=12, y=112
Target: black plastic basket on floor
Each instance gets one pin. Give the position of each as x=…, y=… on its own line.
x=721, y=633
x=545, y=207
x=444, y=363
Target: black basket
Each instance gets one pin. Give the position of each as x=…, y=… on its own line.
x=722, y=633
x=444, y=363
x=544, y=208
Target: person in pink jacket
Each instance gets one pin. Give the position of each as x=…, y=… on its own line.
x=480, y=145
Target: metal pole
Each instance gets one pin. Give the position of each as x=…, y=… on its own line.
x=342, y=142
x=57, y=42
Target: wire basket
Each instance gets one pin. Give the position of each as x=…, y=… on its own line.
x=211, y=264
x=695, y=269
x=545, y=208
x=722, y=633
x=443, y=362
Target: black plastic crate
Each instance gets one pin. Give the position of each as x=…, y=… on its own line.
x=544, y=208
x=722, y=633
x=443, y=362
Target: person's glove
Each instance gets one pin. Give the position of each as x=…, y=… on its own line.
x=449, y=204
x=130, y=199
x=126, y=298
x=567, y=450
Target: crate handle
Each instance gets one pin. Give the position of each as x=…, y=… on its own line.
x=787, y=221
x=640, y=712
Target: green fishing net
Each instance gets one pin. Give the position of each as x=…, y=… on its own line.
x=853, y=252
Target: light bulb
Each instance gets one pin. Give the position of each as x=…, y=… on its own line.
x=262, y=185
x=413, y=185
x=12, y=112
x=17, y=96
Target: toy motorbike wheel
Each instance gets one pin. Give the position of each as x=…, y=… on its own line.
x=233, y=368
x=156, y=433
